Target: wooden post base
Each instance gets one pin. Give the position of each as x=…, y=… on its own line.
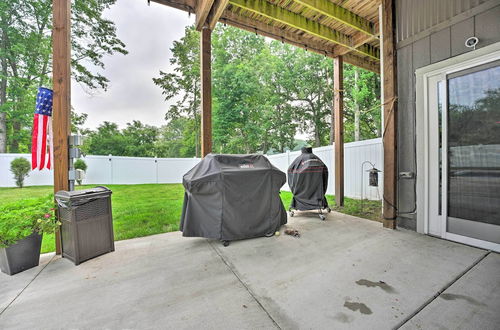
x=391, y=224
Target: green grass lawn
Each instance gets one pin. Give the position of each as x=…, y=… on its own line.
x=147, y=209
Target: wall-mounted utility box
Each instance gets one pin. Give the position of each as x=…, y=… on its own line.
x=87, y=223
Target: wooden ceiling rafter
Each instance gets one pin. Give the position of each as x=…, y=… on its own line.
x=202, y=9
x=217, y=9
x=222, y=10
x=312, y=44
x=292, y=19
x=185, y=5
x=340, y=14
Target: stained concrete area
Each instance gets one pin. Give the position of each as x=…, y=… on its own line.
x=472, y=302
x=342, y=273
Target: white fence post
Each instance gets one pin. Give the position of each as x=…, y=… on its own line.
x=156, y=169
x=110, y=158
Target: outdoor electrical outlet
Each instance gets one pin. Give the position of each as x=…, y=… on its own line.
x=406, y=175
x=75, y=153
x=76, y=140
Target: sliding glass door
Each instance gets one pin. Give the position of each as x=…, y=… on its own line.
x=473, y=151
x=464, y=155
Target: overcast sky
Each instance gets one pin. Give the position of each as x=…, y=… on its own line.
x=148, y=32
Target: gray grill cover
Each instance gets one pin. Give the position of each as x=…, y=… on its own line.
x=231, y=197
x=308, y=180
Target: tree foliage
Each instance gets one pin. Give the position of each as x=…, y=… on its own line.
x=265, y=93
x=184, y=83
x=26, y=58
x=135, y=140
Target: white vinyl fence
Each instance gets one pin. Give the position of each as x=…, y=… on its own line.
x=136, y=170
x=108, y=170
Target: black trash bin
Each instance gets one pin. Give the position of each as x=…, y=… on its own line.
x=87, y=223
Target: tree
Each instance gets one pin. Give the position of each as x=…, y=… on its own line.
x=362, y=110
x=263, y=94
x=77, y=121
x=25, y=53
x=280, y=117
x=107, y=139
x=139, y=140
x=185, y=79
x=309, y=88
x=20, y=167
x=241, y=96
x=176, y=139
x=136, y=140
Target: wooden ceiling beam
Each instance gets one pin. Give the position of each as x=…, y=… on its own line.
x=314, y=45
x=363, y=63
x=185, y=5
x=340, y=14
x=358, y=39
x=202, y=10
x=216, y=12
x=299, y=22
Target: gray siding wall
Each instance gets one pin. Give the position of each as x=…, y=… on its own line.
x=429, y=31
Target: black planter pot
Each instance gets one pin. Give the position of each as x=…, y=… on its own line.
x=24, y=254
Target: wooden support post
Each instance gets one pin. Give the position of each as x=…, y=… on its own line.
x=61, y=75
x=338, y=118
x=206, y=91
x=389, y=133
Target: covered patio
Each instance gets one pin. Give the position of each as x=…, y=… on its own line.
x=356, y=32
x=344, y=272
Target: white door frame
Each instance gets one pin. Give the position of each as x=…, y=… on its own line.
x=424, y=167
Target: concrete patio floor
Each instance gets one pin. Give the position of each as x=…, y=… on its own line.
x=344, y=272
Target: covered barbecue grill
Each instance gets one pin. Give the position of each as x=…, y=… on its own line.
x=232, y=197
x=308, y=180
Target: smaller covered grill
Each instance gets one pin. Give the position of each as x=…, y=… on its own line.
x=308, y=181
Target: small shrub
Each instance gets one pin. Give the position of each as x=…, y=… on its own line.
x=20, y=219
x=20, y=167
x=80, y=165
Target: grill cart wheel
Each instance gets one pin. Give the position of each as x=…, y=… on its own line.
x=329, y=210
x=225, y=243
x=322, y=217
x=291, y=214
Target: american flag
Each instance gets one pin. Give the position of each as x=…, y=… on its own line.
x=42, y=131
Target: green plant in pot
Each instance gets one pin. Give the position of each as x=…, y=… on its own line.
x=22, y=225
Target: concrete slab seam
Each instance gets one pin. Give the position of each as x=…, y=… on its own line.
x=453, y=281
x=27, y=285
x=244, y=285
